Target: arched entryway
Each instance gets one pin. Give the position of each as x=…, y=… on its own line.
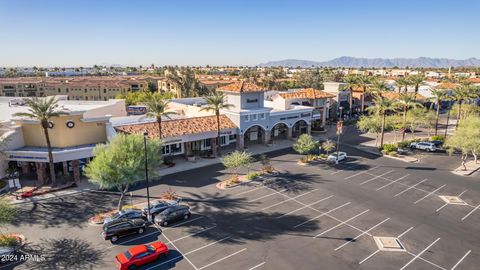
x=300, y=127
x=254, y=135
x=279, y=132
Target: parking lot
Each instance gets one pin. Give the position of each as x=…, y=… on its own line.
x=366, y=213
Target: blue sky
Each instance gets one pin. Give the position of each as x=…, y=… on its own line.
x=228, y=32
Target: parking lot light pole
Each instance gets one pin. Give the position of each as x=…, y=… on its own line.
x=149, y=216
x=446, y=126
x=339, y=129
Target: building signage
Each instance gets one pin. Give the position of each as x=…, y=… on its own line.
x=226, y=132
x=252, y=100
x=136, y=110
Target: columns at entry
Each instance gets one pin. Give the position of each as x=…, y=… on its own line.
x=76, y=170
x=268, y=137
x=289, y=132
x=65, y=168
x=309, y=129
x=25, y=167
x=41, y=172
x=213, y=143
x=188, y=149
x=240, y=142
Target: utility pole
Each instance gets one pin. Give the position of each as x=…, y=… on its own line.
x=339, y=131
x=149, y=216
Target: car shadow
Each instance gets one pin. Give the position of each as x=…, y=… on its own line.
x=167, y=263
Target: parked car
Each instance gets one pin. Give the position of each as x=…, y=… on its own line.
x=127, y=213
x=123, y=227
x=333, y=156
x=140, y=255
x=173, y=213
x=438, y=144
x=426, y=146
x=159, y=206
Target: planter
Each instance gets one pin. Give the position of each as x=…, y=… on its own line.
x=8, y=250
x=226, y=184
x=191, y=158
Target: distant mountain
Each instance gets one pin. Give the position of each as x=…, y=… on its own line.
x=346, y=61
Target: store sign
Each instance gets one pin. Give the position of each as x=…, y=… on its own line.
x=226, y=132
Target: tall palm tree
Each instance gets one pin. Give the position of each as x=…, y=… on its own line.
x=351, y=82
x=363, y=82
x=382, y=107
x=416, y=81
x=378, y=87
x=402, y=83
x=216, y=102
x=157, y=108
x=464, y=92
x=43, y=110
x=439, y=95
x=406, y=102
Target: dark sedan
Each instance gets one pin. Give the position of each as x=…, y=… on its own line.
x=123, y=227
x=173, y=213
x=159, y=206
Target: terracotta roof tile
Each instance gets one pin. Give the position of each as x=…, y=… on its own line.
x=309, y=93
x=179, y=127
x=241, y=87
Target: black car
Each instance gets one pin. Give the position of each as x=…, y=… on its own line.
x=123, y=227
x=159, y=206
x=173, y=213
x=127, y=214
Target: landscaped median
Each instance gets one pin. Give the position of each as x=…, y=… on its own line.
x=469, y=168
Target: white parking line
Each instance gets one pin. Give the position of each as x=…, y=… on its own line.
x=346, y=168
x=256, y=266
x=298, y=196
x=178, y=250
x=369, y=256
x=192, y=234
x=348, y=177
x=464, y=256
x=221, y=259
x=341, y=223
x=427, y=261
x=376, y=177
x=321, y=215
x=306, y=206
x=419, y=254
x=402, y=234
x=316, y=210
x=421, y=199
x=393, y=182
x=473, y=210
x=441, y=207
x=409, y=187
x=133, y=239
x=265, y=196
x=360, y=235
x=183, y=223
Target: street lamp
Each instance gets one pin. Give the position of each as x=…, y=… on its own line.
x=339, y=130
x=446, y=126
x=145, y=134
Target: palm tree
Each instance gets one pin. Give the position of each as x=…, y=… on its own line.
x=378, y=87
x=382, y=107
x=403, y=83
x=463, y=93
x=351, y=83
x=43, y=110
x=416, y=81
x=216, y=102
x=157, y=108
x=406, y=101
x=363, y=82
x=439, y=95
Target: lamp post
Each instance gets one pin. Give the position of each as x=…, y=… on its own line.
x=145, y=134
x=446, y=126
x=339, y=130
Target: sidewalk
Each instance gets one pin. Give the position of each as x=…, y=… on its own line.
x=180, y=166
x=471, y=168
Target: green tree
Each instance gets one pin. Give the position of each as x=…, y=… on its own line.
x=120, y=163
x=466, y=139
x=416, y=81
x=157, y=108
x=236, y=160
x=378, y=87
x=304, y=145
x=405, y=102
x=439, y=95
x=381, y=108
x=351, y=82
x=185, y=79
x=7, y=212
x=43, y=110
x=402, y=83
x=328, y=145
x=215, y=103
x=363, y=82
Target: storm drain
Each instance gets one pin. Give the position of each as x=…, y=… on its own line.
x=452, y=200
x=388, y=243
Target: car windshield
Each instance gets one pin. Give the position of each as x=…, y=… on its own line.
x=117, y=215
x=127, y=255
x=150, y=248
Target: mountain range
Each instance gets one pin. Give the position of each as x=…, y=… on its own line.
x=347, y=61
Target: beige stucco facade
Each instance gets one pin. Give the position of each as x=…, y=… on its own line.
x=62, y=136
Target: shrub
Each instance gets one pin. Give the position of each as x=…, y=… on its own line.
x=304, y=159
x=323, y=155
x=392, y=153
x=438, y=138
x=389, y=147
x=8, y=240
x=253, y=175
x=125, y=207
x=404, y=144
x=169, y=194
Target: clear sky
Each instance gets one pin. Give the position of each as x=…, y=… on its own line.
x=232, y=32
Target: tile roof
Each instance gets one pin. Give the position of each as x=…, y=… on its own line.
x=179, y=127
x=242, y=87
x=309, y=93
x=447, y=85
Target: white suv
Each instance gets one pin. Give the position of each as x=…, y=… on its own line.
x=427, y=146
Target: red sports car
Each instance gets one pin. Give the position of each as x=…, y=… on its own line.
x=140, y=255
